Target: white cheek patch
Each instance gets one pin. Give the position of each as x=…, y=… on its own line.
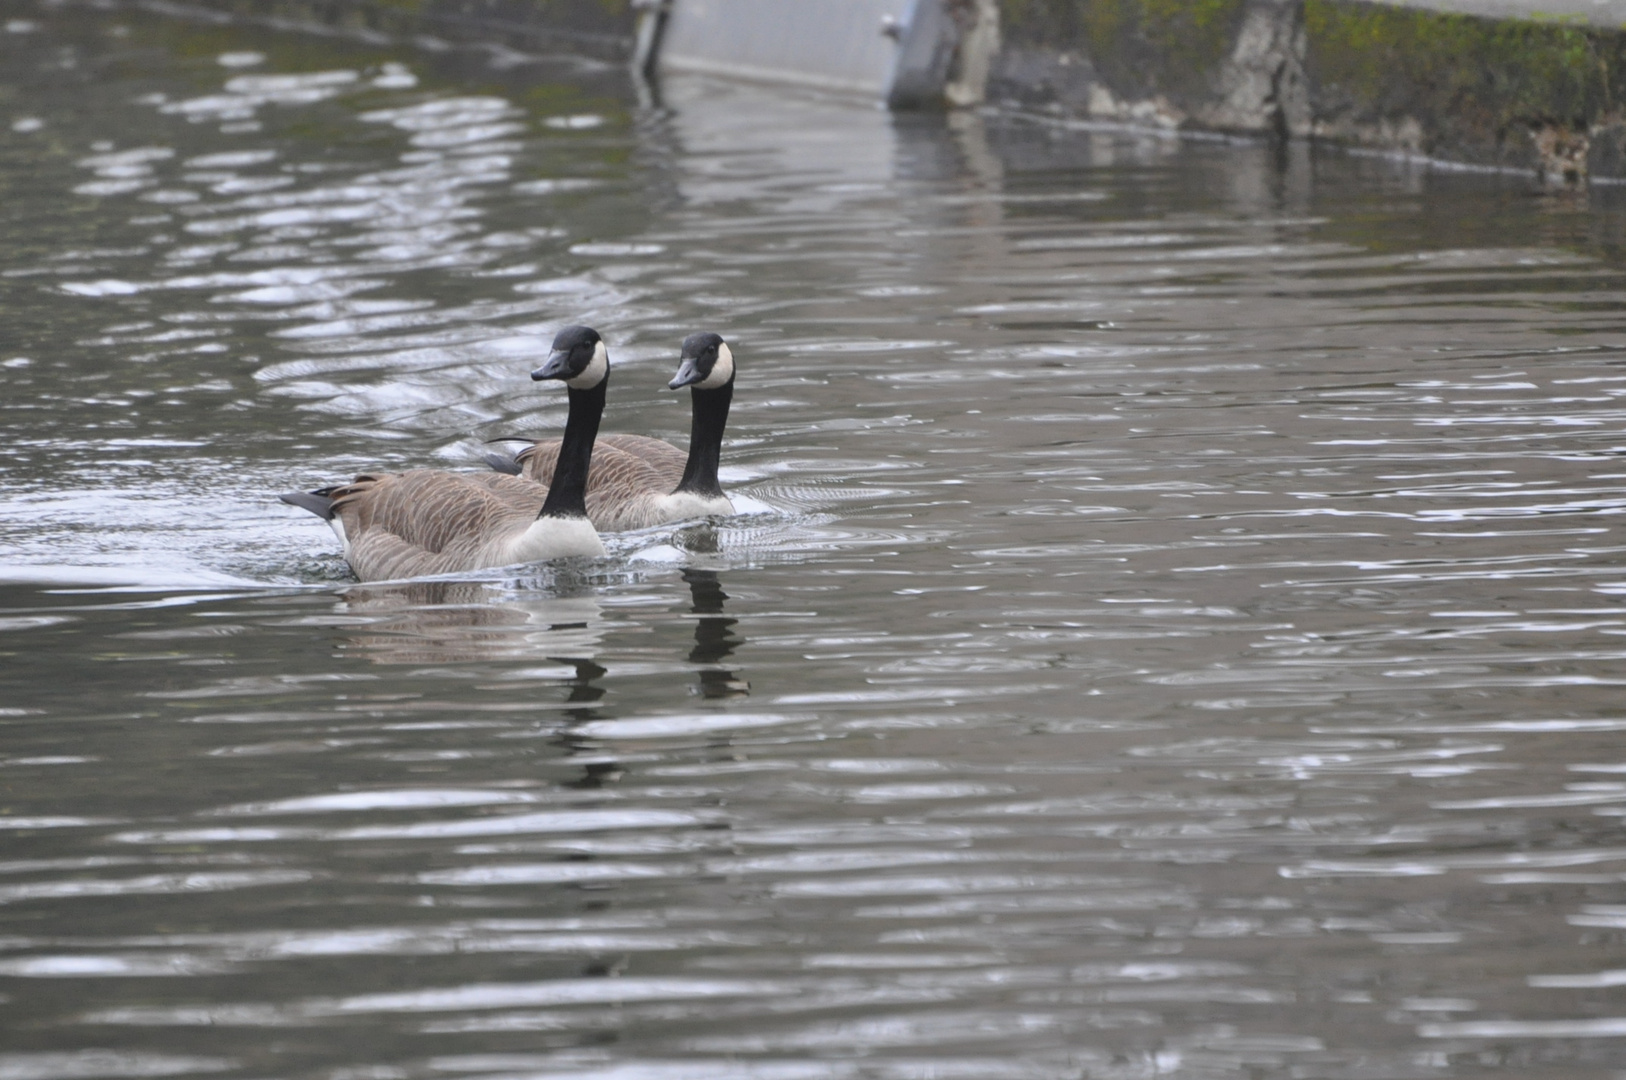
x=594, y=372
x=721, y=371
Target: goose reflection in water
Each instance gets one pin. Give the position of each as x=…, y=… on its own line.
x=598, y=769
x=475, y=622
x=440, y=622
x=714, y=641
x=714, y=636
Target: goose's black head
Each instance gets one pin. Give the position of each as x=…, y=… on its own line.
x=579, y=359
x=707, y=364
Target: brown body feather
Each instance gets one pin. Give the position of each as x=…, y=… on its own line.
x=623, y=463
x=629, y=473
x=425, y=521
x=663, y=457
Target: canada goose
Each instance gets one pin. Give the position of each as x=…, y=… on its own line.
x=636, y=481
x=426, y=521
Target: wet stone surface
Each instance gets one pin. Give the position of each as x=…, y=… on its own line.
x=1172, y=628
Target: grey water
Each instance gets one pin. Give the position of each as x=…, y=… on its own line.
x=1173, y=626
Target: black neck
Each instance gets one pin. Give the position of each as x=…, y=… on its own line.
x=706, y=439
x=567, y=492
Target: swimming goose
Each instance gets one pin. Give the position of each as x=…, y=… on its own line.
x=427, y=521
x=636, y=481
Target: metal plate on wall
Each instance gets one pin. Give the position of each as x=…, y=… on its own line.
x=834, y=44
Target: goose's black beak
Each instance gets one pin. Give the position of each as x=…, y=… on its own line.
x=687, y=375
x=557, y=367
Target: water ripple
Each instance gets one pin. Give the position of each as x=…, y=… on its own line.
x=1171, y=626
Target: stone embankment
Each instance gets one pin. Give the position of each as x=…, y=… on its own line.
x=1477, y=82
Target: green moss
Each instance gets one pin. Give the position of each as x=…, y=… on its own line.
x=1503, y=72
x=1469, y=87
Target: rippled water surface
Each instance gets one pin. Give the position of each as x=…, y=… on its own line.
x=1173, y=628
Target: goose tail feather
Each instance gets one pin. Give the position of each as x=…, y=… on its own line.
x=317, y=502
x=504, y=464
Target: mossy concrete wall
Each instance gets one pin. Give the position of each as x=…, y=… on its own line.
x=1542, y=95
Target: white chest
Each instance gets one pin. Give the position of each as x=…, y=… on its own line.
x=683, y=505
x=554, y=538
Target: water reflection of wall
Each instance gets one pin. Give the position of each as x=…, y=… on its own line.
x=944, y=202
x=830, y=224
x=1246, y=176
x=788, y=153
x=468, y=621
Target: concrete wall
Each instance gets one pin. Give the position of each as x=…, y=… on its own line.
x=1606, y=14
x=1539, y=94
